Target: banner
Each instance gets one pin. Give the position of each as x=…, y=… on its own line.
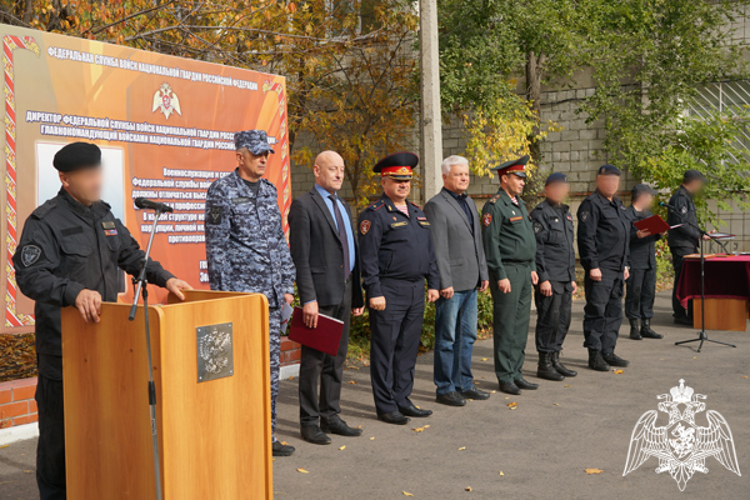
x=165, y=126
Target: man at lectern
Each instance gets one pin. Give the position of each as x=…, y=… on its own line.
x=69, y=255
x=246, y=247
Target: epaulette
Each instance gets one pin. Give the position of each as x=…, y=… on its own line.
x=415, y=205
x=269, y=183
x=377, y=205
x=41, y=211
x=494, y=199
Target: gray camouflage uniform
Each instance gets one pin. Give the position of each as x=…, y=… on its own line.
x=248, y=252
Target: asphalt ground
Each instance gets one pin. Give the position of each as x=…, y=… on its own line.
x=538, y=450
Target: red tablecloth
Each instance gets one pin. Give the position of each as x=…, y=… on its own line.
x=726, y=278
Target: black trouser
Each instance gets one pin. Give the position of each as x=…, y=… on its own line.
x=553, y=316
x=602, y=314
x=50, y=454
x=678, y=257
x=641, y=291
x=317, y=365
x=394, y=343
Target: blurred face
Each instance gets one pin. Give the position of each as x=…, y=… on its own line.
x=644, y=200
x=557, y=192
x=329, y=171
x=84, y=185
x=608, y=185
x=396, y=190
x=252, y=167
x=457, y=179
x=513, y=184
x=695, y=186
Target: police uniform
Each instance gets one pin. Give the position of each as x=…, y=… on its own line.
x=555, y=262
x=397, y=257
x=683, y=240
x=641, y=285
x=510, y=250
x=67, y=247
x=603, y=243
x=246, y=247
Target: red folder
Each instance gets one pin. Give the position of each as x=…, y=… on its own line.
x=653, y=224
x=325, y=338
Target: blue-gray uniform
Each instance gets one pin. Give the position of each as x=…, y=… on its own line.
x=247, y=252
x=397, y=256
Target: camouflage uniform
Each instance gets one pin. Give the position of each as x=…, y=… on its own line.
x=248, y=252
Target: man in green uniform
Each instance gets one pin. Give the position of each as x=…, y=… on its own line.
x=510, y=249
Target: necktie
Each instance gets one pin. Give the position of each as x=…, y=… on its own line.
x=342, y=237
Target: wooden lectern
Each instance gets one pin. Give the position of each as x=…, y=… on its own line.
x=211, y=368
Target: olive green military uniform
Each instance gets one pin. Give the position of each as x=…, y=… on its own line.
x=510, y=249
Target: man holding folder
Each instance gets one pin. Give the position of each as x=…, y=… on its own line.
x=326, y=257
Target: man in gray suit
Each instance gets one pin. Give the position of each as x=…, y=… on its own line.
x=457, y=236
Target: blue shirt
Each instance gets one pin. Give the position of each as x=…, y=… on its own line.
x=344, y=215
x=461, y=199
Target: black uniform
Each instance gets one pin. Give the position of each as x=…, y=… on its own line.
x=555, y=262
x=67, y=247
x=682, y=240
x=396, y=257
x=603, y=243
x=641, y=285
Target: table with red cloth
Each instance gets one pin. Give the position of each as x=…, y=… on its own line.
x=726, y=278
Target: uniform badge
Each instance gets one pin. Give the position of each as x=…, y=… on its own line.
x=108, y=224
x=214, y=214
x=487, y=219
x=684, y=210
x=110, y=232
x=538, y=227
x=364, y=227
x=584, y=216
x=396, y=225
x=516, y=218
x=569, y=218
x=241, y=200
x=513, y=212
x=30, y=254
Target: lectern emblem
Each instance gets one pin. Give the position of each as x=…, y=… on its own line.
x=682, y=446
x=215, y=352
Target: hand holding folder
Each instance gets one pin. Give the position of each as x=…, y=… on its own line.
x=654, y=225
x=325, y=338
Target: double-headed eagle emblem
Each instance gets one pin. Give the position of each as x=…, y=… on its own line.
x=166, y=101
x=682, y=446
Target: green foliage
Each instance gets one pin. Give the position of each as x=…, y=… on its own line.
x=359, y=332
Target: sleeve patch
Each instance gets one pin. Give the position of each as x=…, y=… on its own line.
x=364, y=227
x=215, y=213
x=684, y=210
x=538, y=227
x=30, y=255
x=487, y=219
x=584, y=216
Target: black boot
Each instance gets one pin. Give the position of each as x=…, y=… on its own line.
x=596, y=361
x=615, y=360
x=545, y=369
x=561, y=369
x=635, y=332
x=647, y=332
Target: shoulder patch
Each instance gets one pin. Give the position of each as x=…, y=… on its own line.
x=375, y=206
x=538, y=227
x=494, y=199
x=364, y=227
x=415, y=205
x=30, y=254
x=487, y=219
x=41, y=211
x=584, y=216
x=215, y=213
x=684, y=210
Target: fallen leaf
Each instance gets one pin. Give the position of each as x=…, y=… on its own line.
x=359, y=426
x=567, y=385
x=421, y=429
x=744, y=376
x=502, y=473
x=513, y=405
x=468, y=488
x=372, y=438
x=695, y=357
x=342, y=448
x=493, y=392
x=507, y=397
x=462, y=448
x=485, y=359
x=6, y=445
x=290, y=378
x=303, y=471
x=618, y=372
x=28, y=471
x=555, y=404
x=407, y=494
x=593, y=471
x=353, y=382
x=285, y=443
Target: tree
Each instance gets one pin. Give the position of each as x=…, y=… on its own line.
x=653, y=57
x=348, y=64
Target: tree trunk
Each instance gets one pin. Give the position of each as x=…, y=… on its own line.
x=534, y=73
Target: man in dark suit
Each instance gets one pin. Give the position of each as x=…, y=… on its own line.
x=326, y=257
x=457, y=236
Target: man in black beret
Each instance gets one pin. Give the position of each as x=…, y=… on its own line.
x=603, y=246
x=556, y=266
x=641, y=285
x=684, y=240
x=69, y=254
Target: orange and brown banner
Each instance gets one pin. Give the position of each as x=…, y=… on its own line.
x=165, y=126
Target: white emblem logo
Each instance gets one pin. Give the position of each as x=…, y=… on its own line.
x=682, y=446
x=166, y=101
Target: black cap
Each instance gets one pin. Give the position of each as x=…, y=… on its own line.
x=691, y=175
x=77, y=156
x=608, y=169
x=640, y=189
x=516, y=167
x=397, y=166
x=556, y=177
